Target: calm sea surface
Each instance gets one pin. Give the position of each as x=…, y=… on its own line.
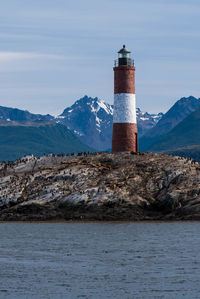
x=100, y=260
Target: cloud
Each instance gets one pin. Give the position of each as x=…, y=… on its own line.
x=33, y=61
x=16, y=56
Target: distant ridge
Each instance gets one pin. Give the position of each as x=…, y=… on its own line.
x=14, y=114
x=17, y=141
x=179, y=111
x=184, y=139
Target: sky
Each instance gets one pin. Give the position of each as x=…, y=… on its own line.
x=54, y=52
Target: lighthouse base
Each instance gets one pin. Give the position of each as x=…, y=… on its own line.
x=124, y=138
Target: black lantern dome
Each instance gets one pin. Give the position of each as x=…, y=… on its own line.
x=124, y=51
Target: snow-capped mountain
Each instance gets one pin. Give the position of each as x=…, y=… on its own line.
x=146, y=121
x=91, y=120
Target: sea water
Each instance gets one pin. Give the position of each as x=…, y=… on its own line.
x=100, y=260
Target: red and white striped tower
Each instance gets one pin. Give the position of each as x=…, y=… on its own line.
x=124, y=136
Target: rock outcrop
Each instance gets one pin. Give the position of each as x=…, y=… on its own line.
x=101, y=186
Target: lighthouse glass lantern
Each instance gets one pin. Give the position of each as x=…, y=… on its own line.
x=124, y=137
x=124, y=57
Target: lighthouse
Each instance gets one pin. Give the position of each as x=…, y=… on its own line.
x=124, y=137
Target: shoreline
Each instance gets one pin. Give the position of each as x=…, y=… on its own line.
x=97, y=221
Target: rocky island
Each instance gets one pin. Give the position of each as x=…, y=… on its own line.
x=100, y=186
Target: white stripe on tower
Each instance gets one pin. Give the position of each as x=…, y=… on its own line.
x=124, y=108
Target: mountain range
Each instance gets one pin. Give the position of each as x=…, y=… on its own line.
x=88, y=122
x=183, y=139
x=91, y=120
x=177, y=113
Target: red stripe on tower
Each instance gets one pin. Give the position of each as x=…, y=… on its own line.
x=124, y=138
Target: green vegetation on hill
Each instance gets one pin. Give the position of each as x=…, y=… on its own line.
x=184, y=139
x=17, y=141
